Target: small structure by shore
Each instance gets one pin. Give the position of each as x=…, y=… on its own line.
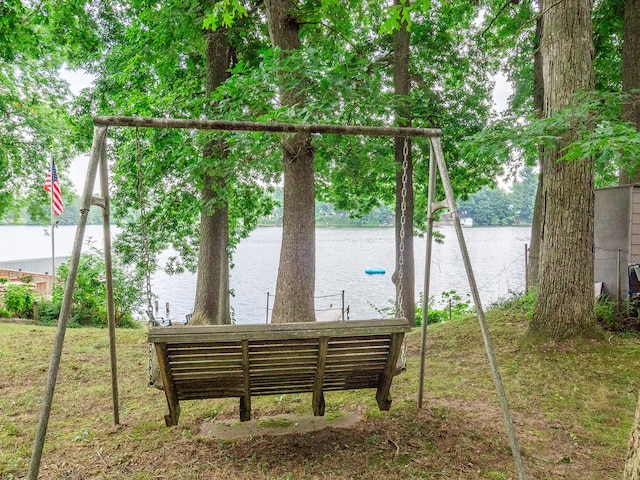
x=42, y=282
x=617, y=240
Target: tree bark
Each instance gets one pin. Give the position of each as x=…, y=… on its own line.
x=565, y=302
x=404, y=192
x=212, y=304
x=632, y=466
x=538, y=213
x=631, y=77
x=295, y=287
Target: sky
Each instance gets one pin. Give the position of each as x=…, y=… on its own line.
x=78, y=171
x=77, y=79
x=502, y=90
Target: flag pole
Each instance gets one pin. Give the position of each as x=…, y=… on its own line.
x=53, y=242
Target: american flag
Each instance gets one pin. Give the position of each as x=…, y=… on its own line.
x=52, y=185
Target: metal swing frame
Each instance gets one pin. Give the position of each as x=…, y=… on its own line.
x=98, y=160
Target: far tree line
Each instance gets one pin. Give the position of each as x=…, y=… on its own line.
x=491, y=206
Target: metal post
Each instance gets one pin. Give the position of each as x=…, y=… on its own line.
x=343, y=305
x=427, y=271
x=53, y=226
x=266, y=319
x=99, y=136
x=111, y=311
x=526, y=268
x=618, y=284
x=493, y=364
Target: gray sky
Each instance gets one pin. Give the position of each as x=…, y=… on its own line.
x=77, y=80
x=78, y=171
x=501, y=92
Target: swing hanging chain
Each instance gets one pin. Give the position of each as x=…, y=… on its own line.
x=401, y=365
x=143, y=227
x=403, y=219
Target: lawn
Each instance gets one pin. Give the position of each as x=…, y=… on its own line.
x=572, y=406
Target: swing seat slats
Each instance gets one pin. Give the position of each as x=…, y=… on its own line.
x=222, y=361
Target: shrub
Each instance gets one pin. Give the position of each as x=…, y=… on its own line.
x=48, y=312
x=453, y=306
x=608, y=314
x=18, y=299
x=524, y=301
x=89, y=296
x=617, y=318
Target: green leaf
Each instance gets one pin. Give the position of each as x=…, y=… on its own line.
x=224, y=14
x=392, y=23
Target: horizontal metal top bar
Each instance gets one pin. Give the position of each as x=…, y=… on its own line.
x=146, y=122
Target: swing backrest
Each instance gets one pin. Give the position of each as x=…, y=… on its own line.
x=247, y=360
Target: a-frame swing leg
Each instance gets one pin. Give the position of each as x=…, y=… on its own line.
x=432, y=207
x=99, y=144
x=437, y=154
x=105, y=203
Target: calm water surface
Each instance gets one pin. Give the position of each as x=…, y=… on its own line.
x=342, y=255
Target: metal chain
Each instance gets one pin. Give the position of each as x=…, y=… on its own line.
x=401, y=365
x=403, y=219
x=150, y=367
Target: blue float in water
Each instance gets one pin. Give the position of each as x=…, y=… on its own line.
x=375, y=271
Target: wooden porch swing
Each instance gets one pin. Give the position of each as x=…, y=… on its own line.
x=241, y=361
x=222, y=361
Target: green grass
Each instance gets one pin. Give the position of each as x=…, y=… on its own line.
x=572, y=404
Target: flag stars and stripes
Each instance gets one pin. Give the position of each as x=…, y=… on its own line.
x=52, y=185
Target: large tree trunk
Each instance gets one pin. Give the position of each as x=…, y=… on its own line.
x=404, y=190
x=212, y=285
x=565, y=301
x=631, y=76
x=632, y=467
x=295, y=286
x=538, y=212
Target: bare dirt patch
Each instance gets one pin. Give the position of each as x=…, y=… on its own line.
x=275, y=425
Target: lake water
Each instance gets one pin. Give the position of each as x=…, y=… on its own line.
x=342, y=255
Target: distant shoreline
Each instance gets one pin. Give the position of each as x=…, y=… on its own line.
x=318, y=225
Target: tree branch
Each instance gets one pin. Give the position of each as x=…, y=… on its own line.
x=495, y=17
x=258, y=4
x=330, y=28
